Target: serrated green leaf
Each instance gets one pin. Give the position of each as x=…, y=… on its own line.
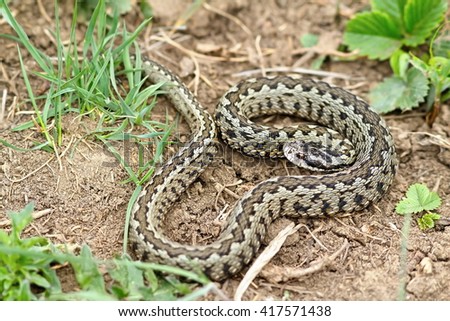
x=394, y=8
x=421, y=17
x=418, y=198
x=403, y=93
x=406, y=206
x=427, y=199
x=433, y=216
x=427, y=220
x=419, y=64
x=374, y=34
x=424, y=224
x=399, y=62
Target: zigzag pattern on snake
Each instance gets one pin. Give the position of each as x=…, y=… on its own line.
x=352, y=139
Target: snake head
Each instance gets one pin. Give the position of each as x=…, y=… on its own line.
x=314, y=156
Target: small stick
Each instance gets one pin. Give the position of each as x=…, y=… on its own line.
x=269, y=252
x=278, y=274
x=306, y=71
x=35, y=215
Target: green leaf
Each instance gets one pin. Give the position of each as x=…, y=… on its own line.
x=419, y=64
x=24, y=292
x=421, y=18
x=374, y=34
x=418, y=198
x=21, y=220
x=441, y=47
x=309, y=40
x=39, y=280
x=129, y=279
x=318, y=62
x=399, y=63
x=146, y=8
x=87, y=271
x=394, y=8
x=427, y=220
x=403, y=93
x=122, y=7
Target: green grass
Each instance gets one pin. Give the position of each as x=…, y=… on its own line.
x=28, y=272
x=83, y=80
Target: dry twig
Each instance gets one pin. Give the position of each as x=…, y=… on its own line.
x=276, y=274
x=35, y=215
x=269, y=252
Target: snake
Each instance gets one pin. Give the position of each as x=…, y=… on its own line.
x=346, y=141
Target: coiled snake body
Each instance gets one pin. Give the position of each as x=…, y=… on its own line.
x=354, y=178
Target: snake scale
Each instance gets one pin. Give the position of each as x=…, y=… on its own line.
x=352, y=179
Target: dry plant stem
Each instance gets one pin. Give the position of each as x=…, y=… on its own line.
x=197, y=75
x=304, y=59
x=437, y=139
x=12, y=109
x=319, y=73
x=3, y=105
x=260, y=55
x=35, y=215
x=437, y=184
x=31, y=173
x=318, y=51
x=9, y=80
x=315, y=238
x=165, y=38
x=269, y=252
x=360, y=232
x=224, y=188
x=44, y=12
x=403, y=272
x=405, y=116
x=228, y=16
x=292, y=288
x=276, y=274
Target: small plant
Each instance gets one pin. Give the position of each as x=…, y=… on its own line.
x=420, y=199
x=393, y=24
x=390, y=31
x=29, y=266
x=84, y=81
x=28, y=272
x=437, y=70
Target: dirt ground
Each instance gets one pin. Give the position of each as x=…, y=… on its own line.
x=86, y=202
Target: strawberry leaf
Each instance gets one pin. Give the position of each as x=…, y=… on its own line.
x=393, y=24
x=400, y=92
x=421, y=17
x=393, y=8
x=427, y=220
x=374, y=34
x=418, y=198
